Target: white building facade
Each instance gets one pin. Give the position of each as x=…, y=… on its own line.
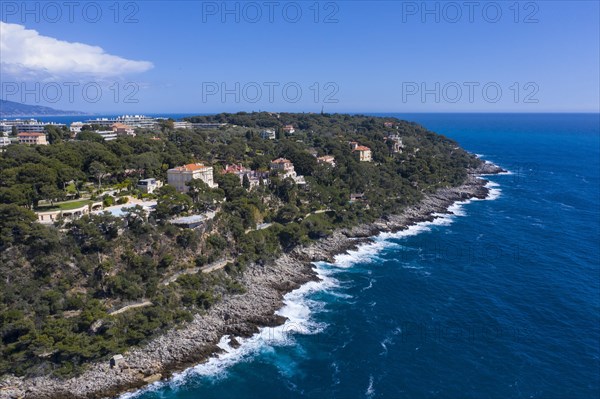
x=178, y=177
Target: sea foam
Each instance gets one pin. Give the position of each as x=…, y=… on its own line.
x=368, y=252
x=494, y=191
x=297, y=308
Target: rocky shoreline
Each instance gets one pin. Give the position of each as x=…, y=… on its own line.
x=239, y=315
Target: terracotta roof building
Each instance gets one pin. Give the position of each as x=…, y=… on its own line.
x=122, y=130
x=326, y=159
x=254, y=177
x=178, y=177
x=363, y=153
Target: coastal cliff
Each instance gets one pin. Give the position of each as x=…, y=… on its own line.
x=236, y=315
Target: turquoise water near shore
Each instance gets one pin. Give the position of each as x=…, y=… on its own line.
x=500, y=299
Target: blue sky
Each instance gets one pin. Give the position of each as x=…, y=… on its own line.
x=351, y=56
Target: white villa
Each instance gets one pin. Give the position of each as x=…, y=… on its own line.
x=326, y=159
x=268, y=134
x=148, y=186
x=396, y=141
x=49, y=217
x=178, y=177
x=285, y=168
x=75, y=127
x=362, y=152
x=182, y=125
x=107, y=135
x=254, y=177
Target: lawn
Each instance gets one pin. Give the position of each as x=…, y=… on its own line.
x=65, y=206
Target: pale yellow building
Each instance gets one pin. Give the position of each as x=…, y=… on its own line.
x=178, y=177
x=32, y=138
x=363, y=153
x=123, y=130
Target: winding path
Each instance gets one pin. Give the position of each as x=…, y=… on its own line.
x=132, y=306
x=204, y=269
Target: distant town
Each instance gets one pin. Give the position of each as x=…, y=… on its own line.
x=30, y=131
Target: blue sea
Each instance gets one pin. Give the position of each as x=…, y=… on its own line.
x=501, y=299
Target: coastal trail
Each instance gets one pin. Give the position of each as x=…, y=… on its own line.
x=204, y=269
x=128, y=307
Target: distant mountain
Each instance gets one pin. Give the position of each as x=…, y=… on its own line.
x=11, y=109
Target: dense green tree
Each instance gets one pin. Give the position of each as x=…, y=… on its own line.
x=291, y=235
x=287, y=214
x=52, y=193
x=88, y=135
x=14, y=195
x=15, y=223
x=171, y=203
x=246, y=182
x=98, y=170
x=93, y=233
x=203, y=197
x=231, y=186
x=166, y=125
x=56, y=134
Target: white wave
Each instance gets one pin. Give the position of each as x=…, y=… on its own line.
x=443, y=219
x=384, y=345
x=411, y=266
x=494, y=191
x=389, y=340
x=368, y=253
x=336, y=373
x=412, y=230
x=458, y=208
x=368, y=287
x=150, y=388
x=298, y=310
x=370, y=389
x=365, y=253
x=296, y=305
x=340, y=295
x=507, y=172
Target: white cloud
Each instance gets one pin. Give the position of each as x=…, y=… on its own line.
x=25, y=54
